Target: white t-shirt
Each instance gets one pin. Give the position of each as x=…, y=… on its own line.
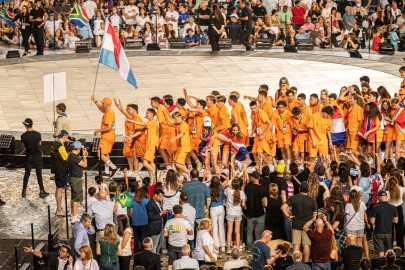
x=131, y=11
x=189, y=215
x=71, y=41
x=52, y=26
x=177, y=228
x=174, y=15
x=399, y=202
x=142, y=21
x=126, y=251
x=203, y=239
x=170, y=199
x=357, y=223
x=233, y=210
x=91, y=265
x=89, y=6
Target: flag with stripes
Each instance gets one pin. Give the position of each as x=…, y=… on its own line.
x=7, y=17
x=338, y=132
x=79, y=16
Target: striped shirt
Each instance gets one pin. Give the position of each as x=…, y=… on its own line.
x=103, y=212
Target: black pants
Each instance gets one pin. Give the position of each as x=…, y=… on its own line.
x=26, y=38
x=214, y=40
x=244, y=38
x=38, y=34
x=399, y=228
x=140, y=233
x=125, y=261
x=33, y=161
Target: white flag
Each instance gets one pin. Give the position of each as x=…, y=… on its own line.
x=54, y=87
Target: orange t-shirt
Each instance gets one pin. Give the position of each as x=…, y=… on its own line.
x=197, y=122
x=143, y=136
x=161, y=111
x=306, y=110
x=282, y=122
x=224, y=121
x=301, y=123
x=316, y=108
x=153, y=138
x=292, y=104
x=185, y=143
x=240, y=113
x=267, y=106
x=213, y=113
x=108, y=119
x=320, y=127
x=355, y=115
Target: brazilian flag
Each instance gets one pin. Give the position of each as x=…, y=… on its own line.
x=125, y=199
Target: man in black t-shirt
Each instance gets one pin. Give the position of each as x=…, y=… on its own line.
x=255, y=194
x=31, y=140
x=38, y=17
x=204, y=16
x=259, y=10
x=351, y=253
x=383, y=215
x=246, y=20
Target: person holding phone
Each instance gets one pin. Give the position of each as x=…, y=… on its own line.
x=54, y=261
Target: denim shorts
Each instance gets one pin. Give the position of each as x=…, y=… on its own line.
x=233, y=218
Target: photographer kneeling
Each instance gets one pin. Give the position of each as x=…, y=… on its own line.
x=76, y=165
x=351, y=42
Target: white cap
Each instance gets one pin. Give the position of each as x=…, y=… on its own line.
x=207, y=121
x=357, y=188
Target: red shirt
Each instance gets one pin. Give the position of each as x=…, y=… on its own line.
x=376, y=40
x=320, y=245
x=298, y=15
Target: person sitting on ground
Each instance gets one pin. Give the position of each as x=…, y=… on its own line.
x=298, y=264
x=235, y=262
x=191, y=39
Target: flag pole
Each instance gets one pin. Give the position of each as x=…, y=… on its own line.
x=95, y=80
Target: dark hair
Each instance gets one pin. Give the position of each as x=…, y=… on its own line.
x=383, y=92
x=365, y=169
x=263, y=93
x=373, y=111
x=158, y=192
x=152, y=111
x=296, y=111
x=314, y=96
x=233, y=98
x=289, y=92
x=294, y=168
x=133, y=106
x=284, y=247
x=140, y=194
x=328, y=110
x=202, y=102
x=264, y=87
x=122, y=224
x=282, y=102
x=99, y=179
x=321, y=170
x=302, y=95
x=215, y=188
x=92, y=191
x=365, y=79
x=334, y=168
x=61, y=106
x=181, y=101
x=155, y=99
x=177, y=209
x=146, y=182
x=194, y=174
x=184, y=197
x=252, y=103
x=333, y=95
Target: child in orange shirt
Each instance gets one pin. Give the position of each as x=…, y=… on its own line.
x=320, y=126
x=282, y=119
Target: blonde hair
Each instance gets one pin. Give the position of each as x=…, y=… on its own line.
x=205, y=224
x=87, y=250
x=110, y=234
x=235, y=93
x=313, y=183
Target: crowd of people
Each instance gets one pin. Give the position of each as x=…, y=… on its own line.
x=326, y=178
x=342, y=24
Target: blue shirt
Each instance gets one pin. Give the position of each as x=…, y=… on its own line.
x=219, y=202
x=348, y=18
x=303, y=36
x=393, y=36
x=139, y=213
x=80, y=236
x=197, y=195
x=327, y=182
x=183, y=17
x=261, y=253
x=189, y=39
x=364, y=183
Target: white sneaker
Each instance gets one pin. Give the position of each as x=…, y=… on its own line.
x=238, y=165
x=74, y=219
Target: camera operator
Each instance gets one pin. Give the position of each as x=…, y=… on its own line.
x=76, y=165
x=351, y=42
x=59, y=157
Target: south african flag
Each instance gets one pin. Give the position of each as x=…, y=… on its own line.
x=7, y=17
x=79, y=16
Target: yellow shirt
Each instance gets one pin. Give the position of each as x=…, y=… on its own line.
x=224, y=121
x=108, y=119
x=355, y=115
x=185, y=143
x=153, y=138
x=282, y=122
x=213, y=113
x=320, y=127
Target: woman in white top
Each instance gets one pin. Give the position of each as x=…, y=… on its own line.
x=125, y=234
x=205, y=250
x=86, y=261
x=235, y=200
x=395, y=193
x=142, y=19
x=356, y=216
x=171, y=191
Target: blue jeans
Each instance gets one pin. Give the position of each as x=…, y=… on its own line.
x=157, y=242
x=321, y=266
x=110, y=266
x=287, y=229
x=251, y=224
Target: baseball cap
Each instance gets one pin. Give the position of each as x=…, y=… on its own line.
x=233, y=15
x=106, y=100
x=280, y=168
x=382, y=193
x=304, y=187
x=77, y=145
x=28, y=122
x=62, y=133
x=207, y=121
x=255, y=174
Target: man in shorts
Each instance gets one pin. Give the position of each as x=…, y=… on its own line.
x=300, y=209
x=107, y=132
x=282, y=119
x=354, y=118
x=76, y=165
x=320, y=126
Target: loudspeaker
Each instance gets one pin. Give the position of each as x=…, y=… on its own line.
x=263, y=43
x=87, y=42
x=82, y=49
x=305, y=45
x=177, y=43
x=354, y=54
x=386, y=48
x=153, y=47
x=290, y=48
x=13, y=54
x=133, y=43
x=225, y=43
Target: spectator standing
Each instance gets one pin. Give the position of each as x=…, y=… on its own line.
x=385, y=216
x=131, y=11
x=32, y=140
x=185, y=262
x=216, y=28
x=355, y=216
x=298, y=14
x=25, y=27
x=86, y=261
x=76, y=165
x=59, y=158
x=256, y=198
x=140, y=216
x=302, y=209
x=217, y=213
x=321, y=241
x=38, y=17
x=176, y=229
x=261, y=252
x=274, y=219
x=205, y=247
x=146, y=258
x=103, y=212
x=155, y=219
x=351, y=253
x=109, y=248
x=189, y=215
x=62, y=122
x=203, y=16
x=198, y=195
x=298, y=265
x=124, y=235
x=81, y=229
x=246, y=22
